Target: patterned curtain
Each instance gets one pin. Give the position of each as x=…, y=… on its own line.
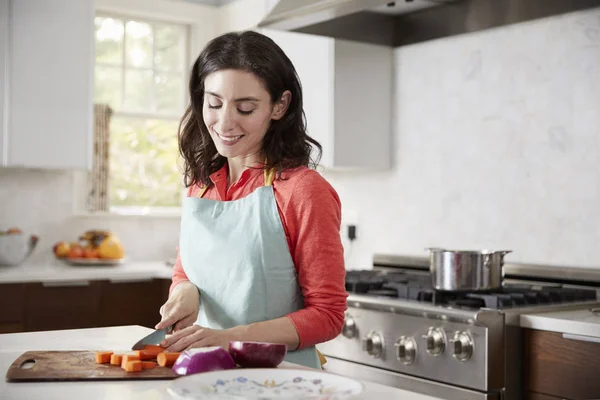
x=98, y=182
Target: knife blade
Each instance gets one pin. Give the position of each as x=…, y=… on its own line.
x=154, y=338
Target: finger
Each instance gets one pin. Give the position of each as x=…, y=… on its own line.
x=177, y=336
x=184, y=341
x=185, y=322
x=170, y=319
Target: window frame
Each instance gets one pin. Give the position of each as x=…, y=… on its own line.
x=141, y=210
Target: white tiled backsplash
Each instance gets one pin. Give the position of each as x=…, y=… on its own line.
x=497, y=145
x=42, y=202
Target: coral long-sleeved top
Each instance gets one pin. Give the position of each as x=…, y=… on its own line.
x=310, y=211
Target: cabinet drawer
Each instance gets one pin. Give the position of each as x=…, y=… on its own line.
x=131, y=303
x=560, y=367
x=68, y=305
x=12, y=303
x=538, y=396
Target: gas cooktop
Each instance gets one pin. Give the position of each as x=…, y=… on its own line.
x=417, y=286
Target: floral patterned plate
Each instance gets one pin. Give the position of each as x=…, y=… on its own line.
x=265, y=384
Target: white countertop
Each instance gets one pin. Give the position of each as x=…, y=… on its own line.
x=14, y=344
x=581, y=322
x=58, y=271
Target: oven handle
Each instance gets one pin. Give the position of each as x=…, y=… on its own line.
x=405, y=382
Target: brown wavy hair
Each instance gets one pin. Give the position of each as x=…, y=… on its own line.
x=286, y=143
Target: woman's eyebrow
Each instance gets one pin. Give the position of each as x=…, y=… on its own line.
x=249, y=98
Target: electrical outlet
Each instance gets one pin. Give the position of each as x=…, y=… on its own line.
x=351, y=232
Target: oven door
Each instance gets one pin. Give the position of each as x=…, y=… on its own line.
x=405, y=382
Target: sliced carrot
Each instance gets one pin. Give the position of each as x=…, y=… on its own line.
x=133, y=366
x=127, y=358
x=167, y=359
x=148, y=364
x=150, y=352
x=154, y=348
x=103, y=357
x=116, y=359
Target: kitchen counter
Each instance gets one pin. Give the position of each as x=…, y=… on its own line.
x=58, y=271
x=13, y=345
x=581, y=322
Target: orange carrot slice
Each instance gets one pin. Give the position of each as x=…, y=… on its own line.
x=127, y=358
x=150, y=352
x=148, y=364
x=116, y=359
x=167, y=359
x=133, y=366
x=103, y=357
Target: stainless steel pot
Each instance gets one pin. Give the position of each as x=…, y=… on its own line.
x=463, y=270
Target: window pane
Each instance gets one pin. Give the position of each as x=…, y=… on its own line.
x=107, y=86
x=138, y=45
x=109, y=40
x=169, y=42
x=138, y=90
x=168, y=93
x=143, y=163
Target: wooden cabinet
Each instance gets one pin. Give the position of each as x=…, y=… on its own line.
x=12, y=313
x=347, y=90
x=132, y=302
x=47, y=115
x=538, y=396
x=46, y=306
x=62, y=305
x=560, y=368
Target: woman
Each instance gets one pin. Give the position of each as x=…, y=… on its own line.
x=260, y=256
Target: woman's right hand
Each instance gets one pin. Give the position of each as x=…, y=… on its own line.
x=181, y=309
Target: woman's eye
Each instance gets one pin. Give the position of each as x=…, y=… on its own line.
x=214, y=106
x=245, y=112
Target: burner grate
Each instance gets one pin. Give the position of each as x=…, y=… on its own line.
x=417, y=287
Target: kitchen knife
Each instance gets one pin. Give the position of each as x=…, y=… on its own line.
x=154, y=338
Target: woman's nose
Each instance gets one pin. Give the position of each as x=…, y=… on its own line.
x=227, y=119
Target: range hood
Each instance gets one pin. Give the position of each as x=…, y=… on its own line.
x=397, y=23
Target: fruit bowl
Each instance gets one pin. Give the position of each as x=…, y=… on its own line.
x=92, y=262
x=94, y=248
x=16, y=247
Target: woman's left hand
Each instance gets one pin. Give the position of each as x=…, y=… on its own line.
x=197, y=336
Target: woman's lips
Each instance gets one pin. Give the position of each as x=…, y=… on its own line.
x=229, y=140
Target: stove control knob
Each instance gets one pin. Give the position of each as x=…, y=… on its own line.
x=435, y=341
x=462, y=346
x=349, y=330
x=406, y=350
x=373, y=344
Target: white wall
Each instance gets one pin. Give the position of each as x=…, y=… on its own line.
x=241, y=15
x=497, y=145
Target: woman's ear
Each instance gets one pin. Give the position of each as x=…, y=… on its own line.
x=281, y=105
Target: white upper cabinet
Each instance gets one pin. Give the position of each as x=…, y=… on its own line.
x=3, y=77
x=347, y=89
x=50, y=83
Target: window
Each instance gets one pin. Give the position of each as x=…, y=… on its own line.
x=141, y=74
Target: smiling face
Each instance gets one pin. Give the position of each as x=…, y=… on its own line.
x=237, y=112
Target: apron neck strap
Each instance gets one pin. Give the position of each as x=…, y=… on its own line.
x=269, y=178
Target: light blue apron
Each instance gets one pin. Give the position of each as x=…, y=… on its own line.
x=237, y=254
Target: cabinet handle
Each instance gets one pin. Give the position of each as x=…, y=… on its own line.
x=581, y=338
x=129, y=280
x=66, y=284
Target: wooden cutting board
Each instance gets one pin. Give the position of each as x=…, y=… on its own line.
x=75, y=366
